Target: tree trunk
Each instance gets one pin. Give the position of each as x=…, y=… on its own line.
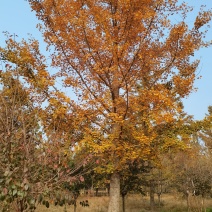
x=123, y=203
x=20, y=206
x=151, y=194
x=108, y=190
x=203, y=203
x=97, y=189
x=114, y=193
x=159, y=200
x=75, y=202
x=159, y=189
x=188, y=200
x=75, y=207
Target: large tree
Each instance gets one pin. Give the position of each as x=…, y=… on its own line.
x=122, y=58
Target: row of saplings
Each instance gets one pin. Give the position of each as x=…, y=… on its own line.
x=30, y=204
x=24, y=201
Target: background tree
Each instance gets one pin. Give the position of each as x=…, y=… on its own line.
x=132, y=179
x=205, y=134
x=192, y=177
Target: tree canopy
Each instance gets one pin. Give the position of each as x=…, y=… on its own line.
x=128, y=64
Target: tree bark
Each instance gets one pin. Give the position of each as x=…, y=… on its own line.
x=188, y=200
x=123, y=203
x=114, y=193
x=75, y=207
x=203, y=203
x=97, y=189
x=159, y=200
x=151, y=194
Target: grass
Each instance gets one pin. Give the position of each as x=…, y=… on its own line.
x=135, y=203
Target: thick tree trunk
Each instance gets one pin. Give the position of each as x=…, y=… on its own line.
x=114, y=193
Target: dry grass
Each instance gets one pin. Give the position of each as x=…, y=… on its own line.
x=134, y=203
x=96, y=204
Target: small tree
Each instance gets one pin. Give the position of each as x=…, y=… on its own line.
x=33, y=163
x=132, y=179
x=21, y=171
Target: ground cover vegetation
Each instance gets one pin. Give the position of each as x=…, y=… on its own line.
x=130, y=67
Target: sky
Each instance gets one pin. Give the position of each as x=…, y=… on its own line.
x=17, y=17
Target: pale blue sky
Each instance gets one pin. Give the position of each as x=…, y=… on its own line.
x=16, y=17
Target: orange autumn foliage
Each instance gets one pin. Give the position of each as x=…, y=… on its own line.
x=128, y=64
